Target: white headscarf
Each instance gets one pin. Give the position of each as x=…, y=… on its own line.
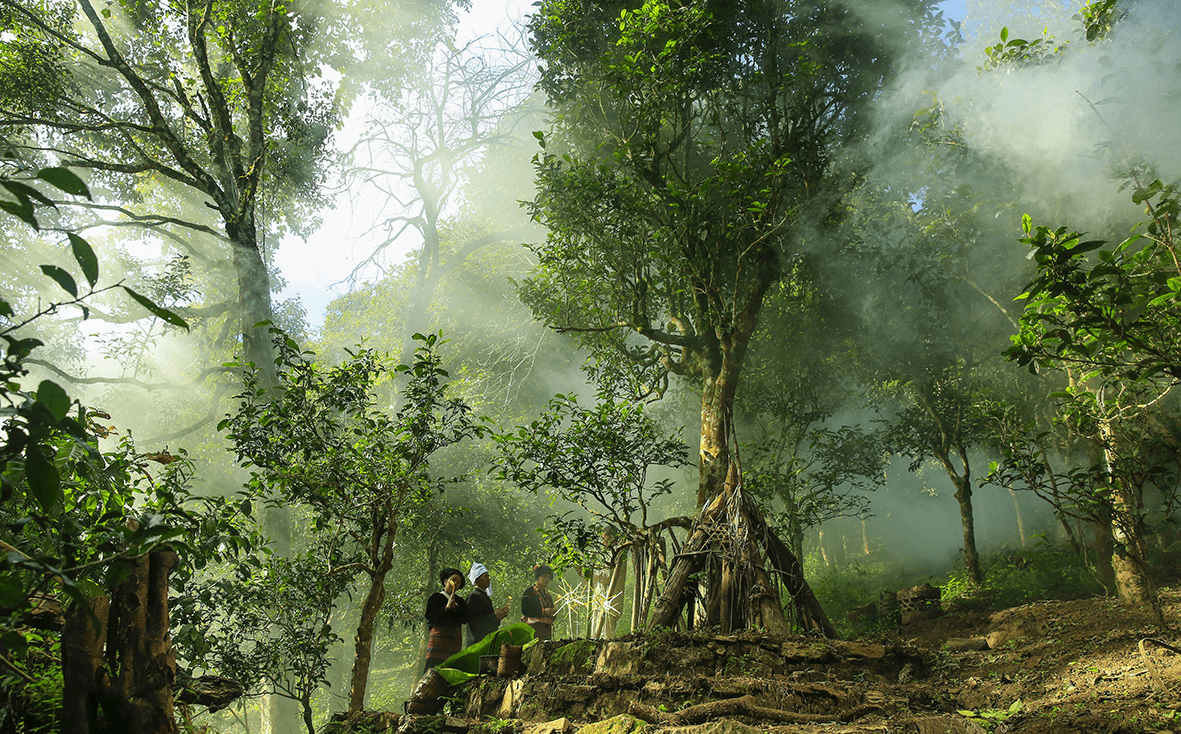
x=478, y=570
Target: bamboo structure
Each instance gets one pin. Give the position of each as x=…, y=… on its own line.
x=744, y=564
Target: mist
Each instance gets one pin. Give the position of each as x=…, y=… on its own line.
x=416, y=221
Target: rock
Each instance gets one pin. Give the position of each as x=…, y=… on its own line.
x=510, y=704
x=942, y=725
x=724, y=726
x=967, y=644
x=619, y=658
x=622, y=724
x=805, y=652
x=866, y=650
x=557, y=726
x=999, y=639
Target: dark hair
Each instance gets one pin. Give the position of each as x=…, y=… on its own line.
x=542, y=570
x=447, y=573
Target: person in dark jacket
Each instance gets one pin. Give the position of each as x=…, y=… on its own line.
x=446, y=613
x=482, y=618
x=537, y=606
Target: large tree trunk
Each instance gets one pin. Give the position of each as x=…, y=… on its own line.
x=125, y=682
x=720, y=367
x=140, y=656
x=254, y=300
x=692, y=558
x=279, y=714
x=1127, y=559
x=792, y=573
x=363, y=642
x=1132, y=579
x=768, y=612
x=82, y=659
x=717, y=400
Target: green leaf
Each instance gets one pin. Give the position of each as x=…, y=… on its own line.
x=84, y=254
x=52, y=396
x=64, y=179
x=12, y=591
x=23, y=212
x=64, y=279
x=158, y=311
x=26, y=194
x=1004, y=34
x=15, y=643
x=43, y=479
x=1077, y=247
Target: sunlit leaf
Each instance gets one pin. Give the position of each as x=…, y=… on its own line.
x=62, y=278
x=158, y=311
x=84, y=255
x=64, y=179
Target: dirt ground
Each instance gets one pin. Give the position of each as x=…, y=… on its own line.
x=1087, y=667
x=1075, y=666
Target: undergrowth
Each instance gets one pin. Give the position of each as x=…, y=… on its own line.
x=1012, y=577
x=1017, y=576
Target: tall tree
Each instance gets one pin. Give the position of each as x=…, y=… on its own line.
x=202, y=106
x=1107, y=315
x=323, y=438
x=692, y=150
x=210, y=104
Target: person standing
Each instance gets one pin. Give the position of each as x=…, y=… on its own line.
x=537, y=606
x=482, y=618
x=446, y=613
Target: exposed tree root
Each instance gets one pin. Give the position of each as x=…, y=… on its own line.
x=745, y=706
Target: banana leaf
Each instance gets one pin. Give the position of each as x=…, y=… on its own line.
x=465, y=664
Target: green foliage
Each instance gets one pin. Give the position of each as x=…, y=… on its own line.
x=323, y=437
x=822, y=477
x=693, y=146
x=1019, y=576
x=1110, y=311
x=266, y=624
x=846, y=586
x=498, y=726
x=1098, y=18
x=75, y=517
x=1018, y=52
x=1107, y=317
x=70, y=505
x=597, y=459
x=991, y=718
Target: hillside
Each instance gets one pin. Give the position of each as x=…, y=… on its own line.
x=1047, y=668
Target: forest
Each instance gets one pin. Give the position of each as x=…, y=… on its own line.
x=738, y=315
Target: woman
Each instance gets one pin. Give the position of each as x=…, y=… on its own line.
x=446, y=613
x=482, y=618
x=537, y=606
